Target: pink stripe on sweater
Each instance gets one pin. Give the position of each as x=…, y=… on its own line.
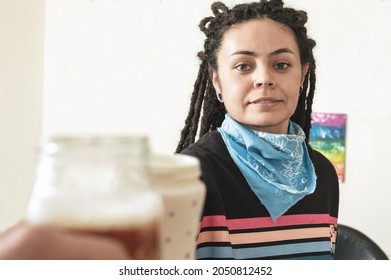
x=248, y=223
x=264, y=237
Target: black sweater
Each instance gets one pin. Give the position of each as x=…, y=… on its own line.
x=235, y=225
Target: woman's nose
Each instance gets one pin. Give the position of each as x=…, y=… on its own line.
x=259, y=84
x=263, y=78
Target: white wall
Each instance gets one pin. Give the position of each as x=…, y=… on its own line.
x=117, y=66
x=21, y=82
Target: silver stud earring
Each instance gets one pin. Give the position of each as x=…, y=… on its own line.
x=220, y=97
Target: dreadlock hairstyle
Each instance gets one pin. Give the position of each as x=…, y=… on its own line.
x=204, y=103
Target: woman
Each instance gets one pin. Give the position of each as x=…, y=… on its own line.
x=269, y=195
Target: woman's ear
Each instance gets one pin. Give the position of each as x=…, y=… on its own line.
x=304, y=72
x=215, y=80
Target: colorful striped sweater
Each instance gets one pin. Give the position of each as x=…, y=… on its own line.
x=235, y=225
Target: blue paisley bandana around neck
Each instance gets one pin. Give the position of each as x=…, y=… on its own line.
x=276, y=166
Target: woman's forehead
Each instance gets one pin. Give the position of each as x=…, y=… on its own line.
x=264, y=35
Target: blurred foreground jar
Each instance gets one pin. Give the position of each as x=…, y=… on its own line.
x=177, y=178
x=100, y=185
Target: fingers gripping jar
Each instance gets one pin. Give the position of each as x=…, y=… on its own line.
x=100, y=185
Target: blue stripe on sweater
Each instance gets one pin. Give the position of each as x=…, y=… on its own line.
x=263, y=252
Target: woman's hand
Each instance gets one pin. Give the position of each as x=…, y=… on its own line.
x=25, y=241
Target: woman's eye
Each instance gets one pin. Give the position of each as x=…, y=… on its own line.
x=281, y=66
x=243, y=67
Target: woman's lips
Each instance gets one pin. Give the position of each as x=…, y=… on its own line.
x=265, y=101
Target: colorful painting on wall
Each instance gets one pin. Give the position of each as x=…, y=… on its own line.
x=328, y=137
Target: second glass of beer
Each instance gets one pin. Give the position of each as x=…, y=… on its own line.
x=101, y=185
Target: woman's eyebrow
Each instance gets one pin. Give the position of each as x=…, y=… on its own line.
x=243, y=52
x=273, y=53
x=282, y=50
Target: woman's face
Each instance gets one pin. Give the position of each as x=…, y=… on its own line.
x=259, y=74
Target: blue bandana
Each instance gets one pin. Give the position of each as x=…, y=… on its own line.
x=276, y=166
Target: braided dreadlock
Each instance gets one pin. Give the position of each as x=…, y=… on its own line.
x=204, y=102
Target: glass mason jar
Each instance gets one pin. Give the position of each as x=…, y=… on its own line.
x=101, y=185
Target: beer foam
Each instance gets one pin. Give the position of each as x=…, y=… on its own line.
x=99, y=212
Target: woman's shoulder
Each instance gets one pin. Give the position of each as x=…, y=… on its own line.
x=209, y=143
x=211, y=151
x=324, y=168
x=319, y=159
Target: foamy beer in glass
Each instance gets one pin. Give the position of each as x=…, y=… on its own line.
x=99, y=185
